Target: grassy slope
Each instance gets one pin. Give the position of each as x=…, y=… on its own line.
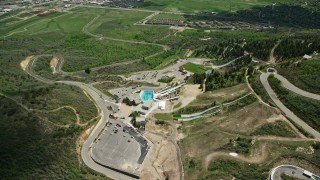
x=123, y=27
x=195, y=68
x=278, y=128
x=204, y=5
x=62, y=33
x=305, y=75
x=34, y=149
x=213, y=134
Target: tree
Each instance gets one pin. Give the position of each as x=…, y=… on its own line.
x=87, y=70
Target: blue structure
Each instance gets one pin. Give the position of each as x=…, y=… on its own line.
x=146, y=95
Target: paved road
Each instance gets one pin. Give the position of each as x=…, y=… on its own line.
x=288, y=85
x=288, y=113
x=102, y=103
x=290, y=170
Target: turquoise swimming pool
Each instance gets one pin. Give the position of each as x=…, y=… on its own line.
x=146, y=95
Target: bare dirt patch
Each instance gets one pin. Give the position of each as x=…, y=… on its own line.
x=125, y=109
x=189, y=53
x=25, y=62
x=188, y=94
x=53, y=64
x=161, y=163
x=272, y=59
x=82, y=138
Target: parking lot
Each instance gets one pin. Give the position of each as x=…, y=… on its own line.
x=120, y=146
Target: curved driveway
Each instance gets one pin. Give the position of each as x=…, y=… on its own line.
x=284, y=109
x=291, y=170
x=100, y=100
x=288, y=85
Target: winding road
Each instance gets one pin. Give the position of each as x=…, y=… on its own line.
x=290, y=170
x=284, y=109
x=288, y=85
x=101, y=101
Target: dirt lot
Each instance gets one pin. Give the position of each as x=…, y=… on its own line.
x=161, y=163
x=188, y=94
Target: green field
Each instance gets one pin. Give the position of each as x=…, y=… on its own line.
x=62, y=33
x=204, y=5
x=169, y=16
x=121, y=24
x=196, y=68
x=278, y=128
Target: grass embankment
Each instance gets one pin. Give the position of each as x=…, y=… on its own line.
x=258, y=88
x=195, y=68
x=209, y=99
x=278, y=128
x=63, y=116
x=228, y=168
x=103, y=52
x=194, y=6
x=232, y=132
x=120, y=24
x=304, y=74
x=55, y=96
x=53, y=34
x=163, y=116
x=305, y=108
x=169, y=16
x=35, y=149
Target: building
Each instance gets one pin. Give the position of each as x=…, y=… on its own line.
x=162, y=105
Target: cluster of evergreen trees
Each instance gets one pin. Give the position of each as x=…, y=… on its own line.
x=127, y=101
x=216, y=80
x=297, y=47
x=235, y=48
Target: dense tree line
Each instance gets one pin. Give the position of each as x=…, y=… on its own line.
x=232, y=76
x=297, y=47
x=128, y=102
x=235, y=48
x=218, y=80
x=276, y=15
